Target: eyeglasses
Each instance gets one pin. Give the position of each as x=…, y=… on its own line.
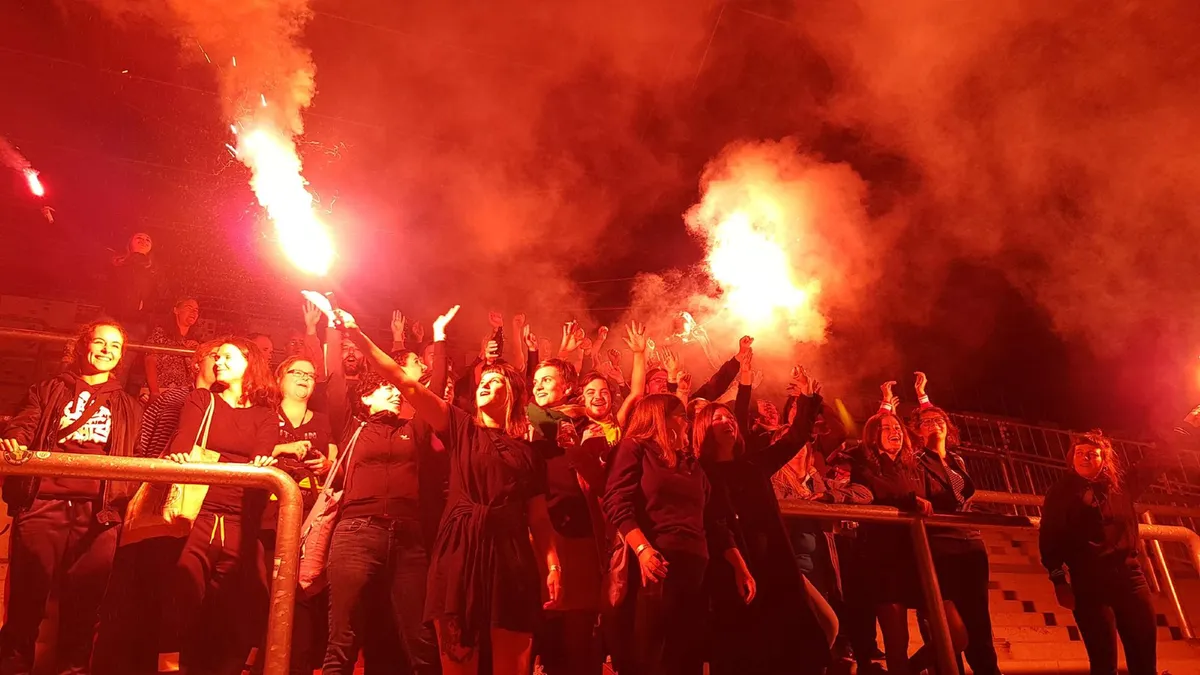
x=300, y=374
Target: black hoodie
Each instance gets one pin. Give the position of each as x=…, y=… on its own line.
x=52, y=405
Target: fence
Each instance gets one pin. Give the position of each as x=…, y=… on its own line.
x=287, y=549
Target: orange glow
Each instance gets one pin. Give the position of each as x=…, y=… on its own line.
x=35, y=183
x=754, y=271
x=283, y=192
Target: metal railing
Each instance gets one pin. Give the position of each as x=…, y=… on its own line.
x=287, y=547
x=1165, y=580
x=46, y=336
x=931, y=590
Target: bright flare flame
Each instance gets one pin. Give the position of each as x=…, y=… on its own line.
x=281, y=189
x=35, y=183
x=754, y=271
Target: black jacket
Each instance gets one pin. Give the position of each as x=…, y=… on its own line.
x=36, y=426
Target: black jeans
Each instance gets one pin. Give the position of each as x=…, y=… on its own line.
x=856, y=614
x=128, y=638
x=963, y=577
x=55, y=543
x=670, y=618
x=1113, y=603
x=384, y=558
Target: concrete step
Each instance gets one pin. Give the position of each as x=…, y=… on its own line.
x=1174, y=650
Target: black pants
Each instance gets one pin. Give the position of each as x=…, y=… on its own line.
x=56, y=545
x=216, y=603
x=127, y=638
x=856, y=615
x=669, y=620
x=382, y=558
x=963, y=577
x=1116, y=603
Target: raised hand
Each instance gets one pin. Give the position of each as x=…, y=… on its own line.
x=399, y=323
x=684, y=387
x=531, y=340
x=670, y=361
x=802, y=384
x=921, y=383
x=312, y=316
x=344, y=321
x=440, y=323
x=496, y=319
x=418, y=331
x=886, y=389
x=572, y=335
x=492, y=352
x=745, y=350
x=614, y=355
x=635, y=337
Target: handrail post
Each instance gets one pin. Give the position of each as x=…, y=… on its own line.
x=286, y=577
x=1168, y=581
x=943, y=644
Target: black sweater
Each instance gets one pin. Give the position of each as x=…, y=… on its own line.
x=385, y=468
x=674, y=507
x=1091, y=527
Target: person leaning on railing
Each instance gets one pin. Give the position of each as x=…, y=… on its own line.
x=959, y=555
x=1088, y=540
x=888, y=465
x=64, y=533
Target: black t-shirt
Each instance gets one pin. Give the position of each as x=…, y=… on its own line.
x=316, y=431
x=239, y=435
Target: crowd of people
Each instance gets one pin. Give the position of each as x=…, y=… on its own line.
x=541, y=507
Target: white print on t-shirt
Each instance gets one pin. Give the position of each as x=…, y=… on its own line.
x=95, y=430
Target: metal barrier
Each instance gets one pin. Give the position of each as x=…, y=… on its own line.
x=287, y=547
x=44, y=336
x=939, y=627
x=1177, y=533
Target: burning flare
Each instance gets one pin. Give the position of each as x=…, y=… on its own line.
x=281, y=189
x=35, y=183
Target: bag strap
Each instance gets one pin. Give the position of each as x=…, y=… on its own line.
x=344, y=458
x=85, y=416
x=205, y=423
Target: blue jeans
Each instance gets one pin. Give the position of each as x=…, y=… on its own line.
x=381, y=558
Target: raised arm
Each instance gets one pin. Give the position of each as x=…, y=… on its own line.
x=635, y=338
x=919, y=387
x=808, y=405
x=719, y=383
x=427, y=404
x=312, y=343
x=399, y=323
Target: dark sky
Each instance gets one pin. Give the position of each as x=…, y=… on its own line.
x=499, y=155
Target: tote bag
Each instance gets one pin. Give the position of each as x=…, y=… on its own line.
x=317, y=531
x=165, y=509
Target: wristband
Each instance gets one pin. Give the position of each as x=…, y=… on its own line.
x=555, y=568
x=885, y=407
x=639, y=549
x=923, y=399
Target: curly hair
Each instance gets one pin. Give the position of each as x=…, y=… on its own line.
x=873, y=447
x=258, y=386
x=953, y=439
x=77, y=352
x=1113, y=469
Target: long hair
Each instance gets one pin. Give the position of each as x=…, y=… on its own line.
x=648, y=422
x=873, y=431
x=952, y=436
x=1113, y=471
x=258, y=387
x=516, y=423
x=703, y=441
x=79, y=348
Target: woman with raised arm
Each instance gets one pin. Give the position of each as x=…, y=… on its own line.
x=222, y=560
x=1088, y=541
x=887, y=464
x=959, y=554
x=779, y=632
x=64, y=530
x=483, y=580
x=378, y=546
x=662, y=503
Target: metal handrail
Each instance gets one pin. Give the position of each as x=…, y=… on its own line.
x=46, y=336
x=287, y=546
x=939, y=627
x=1148, y=511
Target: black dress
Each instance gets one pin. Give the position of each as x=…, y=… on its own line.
x=483, y=572
x=778, y=631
